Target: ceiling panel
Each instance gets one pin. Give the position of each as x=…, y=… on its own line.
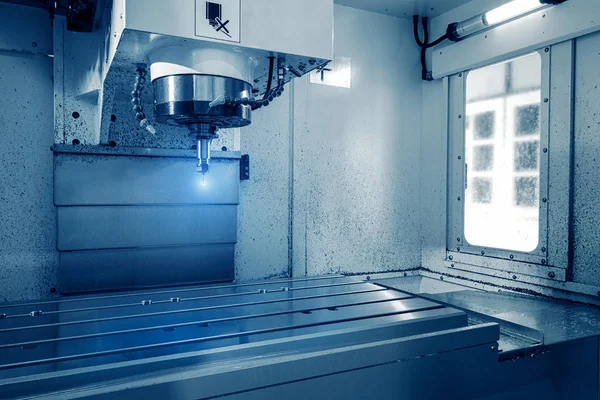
x=405, y=8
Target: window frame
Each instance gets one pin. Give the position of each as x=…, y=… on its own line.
x=550, y=258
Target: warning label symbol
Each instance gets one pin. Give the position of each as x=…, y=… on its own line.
x=214, y=15
x=218, y=19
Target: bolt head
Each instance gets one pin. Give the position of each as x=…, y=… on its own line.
x=546, y=100
x=547, y=49
x=551, y=275
x=514, y=277
x=450, y=258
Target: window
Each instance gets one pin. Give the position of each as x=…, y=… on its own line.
x=502, y=155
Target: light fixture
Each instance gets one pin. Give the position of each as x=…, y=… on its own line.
x=506, y=12
x=459, y=30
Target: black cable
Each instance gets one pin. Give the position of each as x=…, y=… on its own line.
x=436, y=42
x=270, y=78
x=424, y=71
x=416, y=30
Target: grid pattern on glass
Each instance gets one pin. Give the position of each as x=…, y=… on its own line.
x=502, y=153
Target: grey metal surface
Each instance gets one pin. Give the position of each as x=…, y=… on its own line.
x=110, y=180
x=139, y=151
x=122, y=220
x=117, y=269
x=184, y=100
x=559, y=321
x=139, y=329
x=109, y=227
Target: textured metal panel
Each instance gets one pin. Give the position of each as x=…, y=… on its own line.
x=586, y=162
x=28, y=260
x=85, y=228
x=362, y=206
x=96, y=270
x=112, y=180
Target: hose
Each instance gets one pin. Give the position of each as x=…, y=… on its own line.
x=136, y=102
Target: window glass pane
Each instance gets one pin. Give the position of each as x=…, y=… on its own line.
x=526, y=156
x=484, y=125
x=482, y=191
x=528, y=120
x=526, y=192
x=502, y=140
x=483, y=158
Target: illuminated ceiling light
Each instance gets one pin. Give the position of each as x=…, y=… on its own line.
x=513, y=9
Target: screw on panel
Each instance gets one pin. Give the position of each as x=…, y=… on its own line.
x=545, y=150
x=483, y=253
x=368, y=278
x=458, y=249
x=450, y=258
x=544, y=262
x=459, y=116
x=551, y=275
x=547, y=49
x=451, y=265
x=460, y=75
x=441, y=278
x=406, y=274
x=546, y=100
x=514, y=277
x=459, y=157
x=75, y=114
x=458, y=198
x=544, y=200
x=458, y=239
x=543, y=249
x=224, y=148
x=312, y=62
x=511, y=257
x=76, y=141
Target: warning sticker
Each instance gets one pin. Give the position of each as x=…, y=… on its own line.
x=219, y=19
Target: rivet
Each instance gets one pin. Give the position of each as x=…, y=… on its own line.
x=451, y=265
x=450, y=258
x=460, y=75
x=224, y=148
x=551, y=275
x=483, y=253
x=441, y=278
x=511, y=257
x=458, y=198
x=459, y=157
x=458, y=239
x=544, y=262
x=459, y=116
x=544, y=200
x=514, y=277
x=545, y=150
x=368, y=278
x=75, y=114
x=547, y=49
x=406, y=274
x=458, y=249
x=546, y=100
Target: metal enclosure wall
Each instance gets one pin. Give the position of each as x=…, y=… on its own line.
x=356, y=154
x=128, y=222
x=28, y=258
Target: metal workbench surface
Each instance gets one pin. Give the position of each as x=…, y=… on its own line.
x=70, y=337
